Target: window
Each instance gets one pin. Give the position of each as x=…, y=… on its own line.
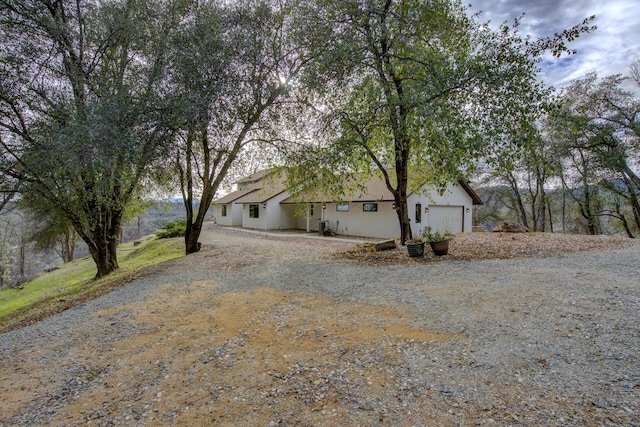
x=369, y=207
x=224, y=210
x=418, y=212
x=342, y=207
x=254, y=211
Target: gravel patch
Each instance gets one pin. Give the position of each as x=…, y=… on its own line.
x=259, y=330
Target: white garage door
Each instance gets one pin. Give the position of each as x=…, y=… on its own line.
x=446, y=218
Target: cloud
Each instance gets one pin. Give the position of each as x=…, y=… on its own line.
x=608, y=50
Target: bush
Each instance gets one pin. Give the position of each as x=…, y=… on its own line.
x=172, y=229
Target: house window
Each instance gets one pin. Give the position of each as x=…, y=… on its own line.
x=342, y=207
x=369, y=207
x=224, y=210
x=254, y=211
x=418, y=212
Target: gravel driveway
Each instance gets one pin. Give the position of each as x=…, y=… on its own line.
x=272, y=331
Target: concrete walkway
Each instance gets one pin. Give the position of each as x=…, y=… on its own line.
x=301, y=235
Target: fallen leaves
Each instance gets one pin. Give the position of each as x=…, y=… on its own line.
x=483, y=246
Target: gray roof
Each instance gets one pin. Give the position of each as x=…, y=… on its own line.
x=232, y=197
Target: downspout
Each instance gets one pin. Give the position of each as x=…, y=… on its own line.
x=266, y=217
x=464, y=219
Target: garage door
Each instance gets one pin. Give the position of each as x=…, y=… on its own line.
x=446, y=218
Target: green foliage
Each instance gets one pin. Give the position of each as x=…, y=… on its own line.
x=172, y=229
x=80, y=106
x=235, y=72
x=429, y=235
x=419, y=91
x=596, y=137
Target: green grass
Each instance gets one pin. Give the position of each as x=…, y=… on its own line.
x=73, y=283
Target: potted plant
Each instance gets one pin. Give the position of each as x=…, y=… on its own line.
x=415, y=247
x=438, y=241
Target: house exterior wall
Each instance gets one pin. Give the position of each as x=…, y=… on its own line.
x=450, y=212
x=275, y=215
x=255, y=223
x=300, y=218
x=381, y=224
x=316, y=217
x=288, y=220
x=454, y=219
x=233, y=217
x=236, y=214
x=270, y=215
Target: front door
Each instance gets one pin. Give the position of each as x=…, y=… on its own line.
x=315, y=216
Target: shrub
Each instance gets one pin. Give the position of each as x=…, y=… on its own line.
x=172, y=229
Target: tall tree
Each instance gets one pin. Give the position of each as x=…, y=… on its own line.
x=597, y=132
x=527, y=169
x=421, y=89
x=234, y=70
x=79, y=110
x=5, y=257
x=52, y=232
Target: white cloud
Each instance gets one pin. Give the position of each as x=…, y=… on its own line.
x=608, y=50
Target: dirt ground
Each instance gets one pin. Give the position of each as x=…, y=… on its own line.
x=198, y=356
x=204, y=358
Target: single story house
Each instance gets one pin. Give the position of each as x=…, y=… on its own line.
x=262, y=202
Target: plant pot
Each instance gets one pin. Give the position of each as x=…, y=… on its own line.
x=440, y=248
x=415, y=249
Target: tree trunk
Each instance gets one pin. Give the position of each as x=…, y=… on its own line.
x=623, y=220
x=513, y=183
x=102, y=257
x=192, y=231
x=210, y=183
x=103, y=244
x=194, y=226
x=543, y=200
x=191, y=238
x=587, y=210
x=402, y=210
x=550, y=216
x=68, y=246
x=400, y=194
x=23, y=259
x=633, y=198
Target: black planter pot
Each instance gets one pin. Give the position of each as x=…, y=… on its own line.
x=415, y=249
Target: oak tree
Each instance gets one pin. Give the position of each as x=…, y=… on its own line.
x=80, y=112
x=234, y=73
x=420, y=90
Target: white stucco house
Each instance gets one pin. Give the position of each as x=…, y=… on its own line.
x=230, y=211
x=263, y=203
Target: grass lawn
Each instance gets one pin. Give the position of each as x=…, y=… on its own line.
x=73, y=283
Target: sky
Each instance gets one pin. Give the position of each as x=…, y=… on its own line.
x=608, y=50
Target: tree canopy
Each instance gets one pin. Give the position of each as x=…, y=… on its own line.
x=236, y=76
x=420, y=91
x=80, y=110
x=96, y=96
x=596, y=134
